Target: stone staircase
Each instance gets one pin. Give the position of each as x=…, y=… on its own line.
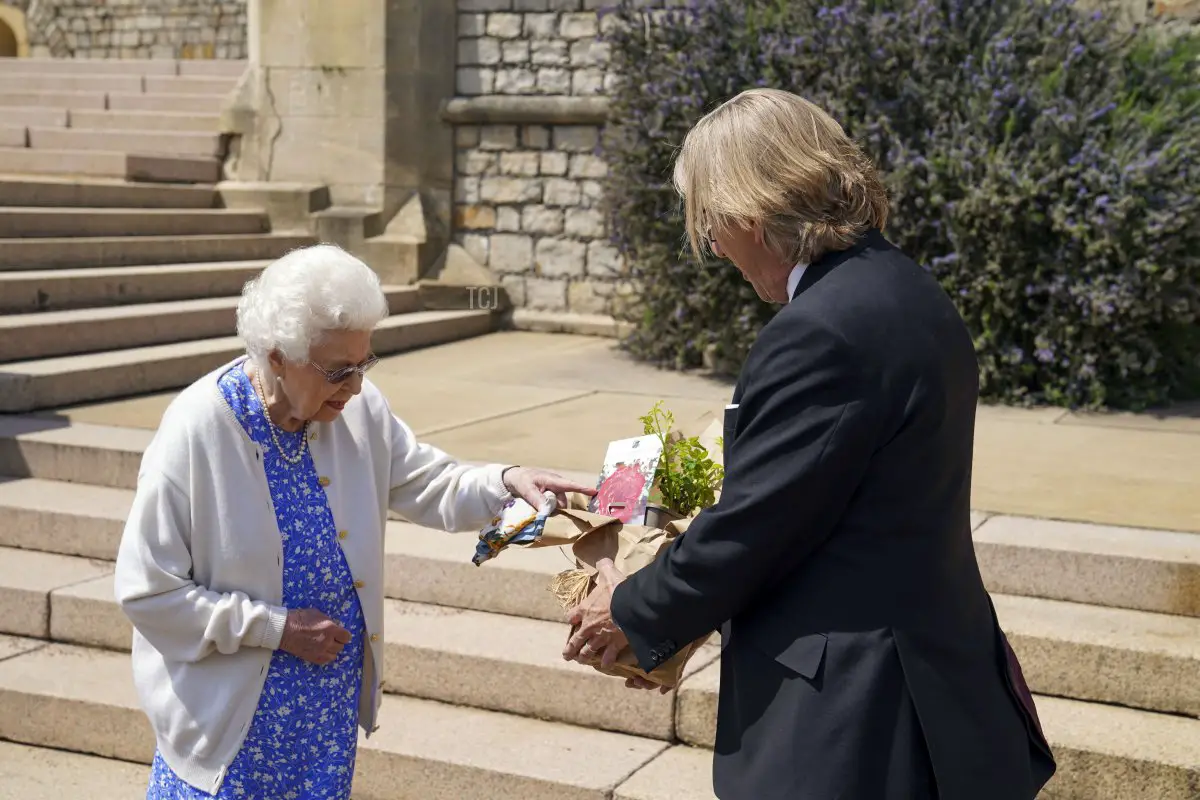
x=120, y=260
x=1106, y=621
x=136, y=119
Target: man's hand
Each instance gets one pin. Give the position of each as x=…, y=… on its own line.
x=635, y=682
x=531, y=484
x=313, y=637
x=597, y=632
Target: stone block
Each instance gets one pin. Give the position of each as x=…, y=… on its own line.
x=508, y=218
x=510, y=190
x=588, y=297
x=515, y=286
x=590, y=53
x=591, y=193
x=466, y=136
x=551, y=52
x=562, y=192
x=587, y=166
x=544, y=294
x=585, y=223
x=475, y=217
x=519, y=163
x=604, y=260
x=466, y=189
x=511, y=253
x=531, y=5
x=473, y=81
x=535, y=137
x=485, y=5
x=560, y=258
x=578, y=26
x=587, y=82
x=329, y=150
x=478, y=246
x=554, y=80
x=515, y=51
x=576, y=138
x=541, y=26
x=479, y=51
x=515, y=80
x=554, y=163
x=504, y=26
x=566, y=5
x=477, y=162
x=498, y=137
x=541, y=219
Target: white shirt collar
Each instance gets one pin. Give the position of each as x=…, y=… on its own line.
x=794, y=279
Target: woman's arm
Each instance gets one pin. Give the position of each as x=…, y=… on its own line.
x=181, y=619
x=430, y=488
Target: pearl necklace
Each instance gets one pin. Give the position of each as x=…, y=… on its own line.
x=274, y=431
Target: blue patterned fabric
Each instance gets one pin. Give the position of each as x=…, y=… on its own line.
x=303, y=740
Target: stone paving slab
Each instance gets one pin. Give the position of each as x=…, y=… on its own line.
x=16, y=645
x=681, y=773
x=39, y=773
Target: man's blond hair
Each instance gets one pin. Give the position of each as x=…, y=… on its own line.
x=772, y=157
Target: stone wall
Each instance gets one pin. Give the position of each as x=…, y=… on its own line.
x=135, y=28
x=527, y=187
x=530, y=83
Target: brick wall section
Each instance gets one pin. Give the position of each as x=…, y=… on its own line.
x=527, y=196
x=136, y=28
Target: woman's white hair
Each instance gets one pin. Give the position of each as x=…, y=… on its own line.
x=299, y=298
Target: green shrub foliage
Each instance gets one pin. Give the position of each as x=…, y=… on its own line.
x=1041, y=162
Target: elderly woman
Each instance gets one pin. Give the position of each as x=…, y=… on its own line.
x=251, y=565
x=861, y=657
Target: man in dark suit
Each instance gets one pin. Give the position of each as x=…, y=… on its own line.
x=861, y=655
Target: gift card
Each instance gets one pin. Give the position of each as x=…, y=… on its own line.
x=627, y=477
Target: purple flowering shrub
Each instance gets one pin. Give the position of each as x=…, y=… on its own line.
x=1040, y=161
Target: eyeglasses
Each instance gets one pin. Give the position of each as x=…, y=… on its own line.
x=340, y=375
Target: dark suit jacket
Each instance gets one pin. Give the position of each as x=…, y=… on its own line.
x=861, y=656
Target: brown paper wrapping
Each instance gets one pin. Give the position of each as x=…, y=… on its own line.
x=593, y=537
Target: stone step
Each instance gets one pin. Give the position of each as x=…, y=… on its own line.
x=51, y=192
x=229, y=68
x=54, y=382
x=61, y=289
x=468, y=658
x=1103, y=752
x=79, y=82
x=38, y=117
x=48, y=334
x=680, y=773
x=192, y=84
x=126, y=141
x=1066, y=649
x=82, y=700
x=40, y=222
x=139, y=121
x=101, y=164
x=39, y=773
x=12, y=67
x=72, y=519
x=122, y=251
x=10, y=96
x=181, y=103
x=13, y=136
x=1147, y=570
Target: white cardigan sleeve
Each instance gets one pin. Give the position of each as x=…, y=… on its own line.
x=181, y=619
x=430, y=488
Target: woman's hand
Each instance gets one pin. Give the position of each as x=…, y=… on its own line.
x=531, y=484
x=313, y=637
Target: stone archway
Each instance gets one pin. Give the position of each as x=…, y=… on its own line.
x=14, y=36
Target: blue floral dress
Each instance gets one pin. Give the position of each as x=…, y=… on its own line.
x=303, y=740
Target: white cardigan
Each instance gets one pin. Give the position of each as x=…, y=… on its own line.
x=199, y=572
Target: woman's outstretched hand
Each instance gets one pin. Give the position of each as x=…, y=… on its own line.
x=531, y=484
x=313, y=637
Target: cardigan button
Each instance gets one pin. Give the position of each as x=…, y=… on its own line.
x=359, y=584
x=343, y=534
x=323, y=481
x=374, y=637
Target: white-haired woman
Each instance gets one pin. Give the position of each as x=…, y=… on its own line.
x=251, y=565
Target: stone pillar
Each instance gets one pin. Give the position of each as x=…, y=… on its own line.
x=346, y=95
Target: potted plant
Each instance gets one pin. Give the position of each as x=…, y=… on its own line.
x=686, y=479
